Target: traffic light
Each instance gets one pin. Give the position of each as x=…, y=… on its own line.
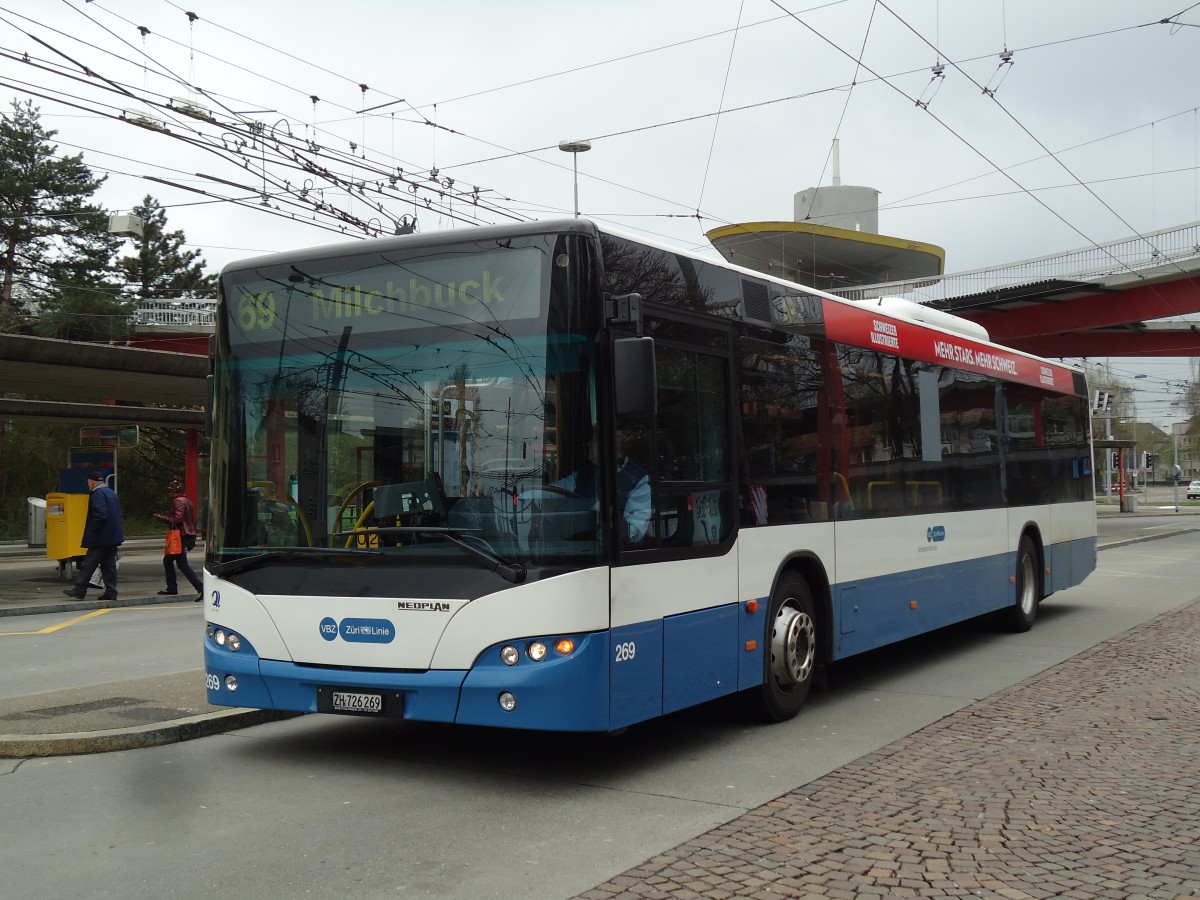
x=1115, y=462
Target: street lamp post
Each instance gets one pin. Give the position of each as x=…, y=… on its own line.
x=1175, y=464
x=1108, y=437
x=575, y=148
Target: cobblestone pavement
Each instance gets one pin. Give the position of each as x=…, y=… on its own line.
x=1083, y=782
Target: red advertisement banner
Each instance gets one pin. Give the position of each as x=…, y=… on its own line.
x=867, y=328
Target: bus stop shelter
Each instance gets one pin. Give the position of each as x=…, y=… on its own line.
x=105, y=384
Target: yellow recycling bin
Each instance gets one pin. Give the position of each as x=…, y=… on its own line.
x=65, y=515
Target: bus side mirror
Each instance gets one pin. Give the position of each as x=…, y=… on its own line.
x=634, y=379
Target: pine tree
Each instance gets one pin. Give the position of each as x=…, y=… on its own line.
x=88, y=305
x=50, y=232
x=161, y=270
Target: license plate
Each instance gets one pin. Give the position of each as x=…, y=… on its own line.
x=335, y=701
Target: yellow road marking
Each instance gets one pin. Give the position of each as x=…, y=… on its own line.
x=53, y=628
x=75, y=621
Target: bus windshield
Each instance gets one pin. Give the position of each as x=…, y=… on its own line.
x=413, y=406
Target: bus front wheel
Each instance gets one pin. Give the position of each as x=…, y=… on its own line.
x=790, y=651
x=1019, y=617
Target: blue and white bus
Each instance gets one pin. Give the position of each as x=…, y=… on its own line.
x=419, y=508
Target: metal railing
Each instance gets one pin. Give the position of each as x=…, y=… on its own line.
x=176, y=313
x=1129, y=258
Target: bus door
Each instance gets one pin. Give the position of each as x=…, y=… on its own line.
x=674, y=585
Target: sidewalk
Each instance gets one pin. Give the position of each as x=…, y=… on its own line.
x=114, y=716
x=165, y=709
x=30, y=582
x=1083, y=782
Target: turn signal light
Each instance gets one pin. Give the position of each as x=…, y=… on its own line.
x=564, y=646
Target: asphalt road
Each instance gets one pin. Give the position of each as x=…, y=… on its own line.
x=337, y=807
x=111, y=645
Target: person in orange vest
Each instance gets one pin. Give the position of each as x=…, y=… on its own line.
x=181, y=517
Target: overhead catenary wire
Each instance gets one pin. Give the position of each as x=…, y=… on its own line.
x=232, y=112
x=1035, y=139
x=526, y=153
x=899, y=203
x=966, y=142
x=842, y=117
x=324, y=159
x=712, y=218
x=747, y=107
x=113, y=85
x=720, y=105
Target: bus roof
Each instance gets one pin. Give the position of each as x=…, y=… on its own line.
x=966, y=342
x=410, y=242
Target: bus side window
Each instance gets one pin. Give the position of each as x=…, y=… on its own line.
x=693, y=481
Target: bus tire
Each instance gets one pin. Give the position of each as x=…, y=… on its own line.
x=789, y=650
x=1020, y=616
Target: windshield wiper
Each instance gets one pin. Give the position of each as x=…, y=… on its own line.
x=242, y=563
x=512, y=572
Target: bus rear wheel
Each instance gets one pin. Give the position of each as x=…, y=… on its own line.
x=1019, y=617
x=790, y=650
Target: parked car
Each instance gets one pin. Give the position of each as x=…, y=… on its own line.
x=1194, y=490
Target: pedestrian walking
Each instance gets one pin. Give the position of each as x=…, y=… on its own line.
x=102, y=535
x=181, y=537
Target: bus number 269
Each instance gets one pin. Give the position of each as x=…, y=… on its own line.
x=626, y=651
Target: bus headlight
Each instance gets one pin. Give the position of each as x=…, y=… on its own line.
x=536, y=651
x=509, y=655
x=231, y=683
x=508, y=702
x=219, y=637
x=233, y=642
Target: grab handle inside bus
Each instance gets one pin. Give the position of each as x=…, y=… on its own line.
x=209, y=394
x=634, y=380
x=210, y=385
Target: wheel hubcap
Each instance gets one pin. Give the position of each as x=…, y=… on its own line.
x=1027, y=586
x=793, y=646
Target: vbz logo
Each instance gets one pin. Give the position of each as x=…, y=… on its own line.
x=329, y=629
x=936, y=534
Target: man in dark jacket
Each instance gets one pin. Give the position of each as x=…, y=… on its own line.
x=102, y=535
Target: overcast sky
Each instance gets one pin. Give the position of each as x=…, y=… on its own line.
x=700, y=114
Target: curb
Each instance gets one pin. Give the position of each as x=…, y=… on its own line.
x=186, y=729
x=1125, y=542
x=72, y=605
